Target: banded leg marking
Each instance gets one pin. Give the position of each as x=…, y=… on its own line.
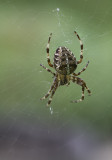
x=88, y=90
x=47, y=50
x=53, y=92
x=81, y=70
x=48, y=93
x=83, y=84
x=81, y=46
x=47, y=69
x=50, y=90
x=82, y=98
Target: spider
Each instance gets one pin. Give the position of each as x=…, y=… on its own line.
x=65, y=64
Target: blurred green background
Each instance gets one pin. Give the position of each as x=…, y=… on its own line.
x=29, y=130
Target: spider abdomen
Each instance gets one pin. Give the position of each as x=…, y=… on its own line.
x=64, y=61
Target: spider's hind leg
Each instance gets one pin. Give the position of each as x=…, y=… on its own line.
x=51, y=90
x=88, y=90
x=82, y=97
x=52, y=93
x=80, y=82
x=48, y=93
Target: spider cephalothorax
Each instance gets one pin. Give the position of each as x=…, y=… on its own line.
x=65, y=64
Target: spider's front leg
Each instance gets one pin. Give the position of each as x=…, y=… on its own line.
x=80, y=82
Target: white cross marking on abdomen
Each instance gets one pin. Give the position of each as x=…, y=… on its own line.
x=68, y=71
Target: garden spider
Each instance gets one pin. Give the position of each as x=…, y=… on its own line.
x=65, y=64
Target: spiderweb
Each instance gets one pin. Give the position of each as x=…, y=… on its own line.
x=28, y=130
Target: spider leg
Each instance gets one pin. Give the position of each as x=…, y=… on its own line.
x=53, y=92
x=80, y=82
x=81, y=45
x=81, y=70
x=47, y=50
x=88, y=90
x=50, y=90
x=48, y=93
x=47, y=69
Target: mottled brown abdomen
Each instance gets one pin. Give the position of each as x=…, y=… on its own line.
x=64, y=61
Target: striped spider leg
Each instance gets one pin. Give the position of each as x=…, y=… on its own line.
x=47, y=50
x=81, y=70
x=48, y=69
x=80, y=82
x=51, y=91
x=81, y=45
